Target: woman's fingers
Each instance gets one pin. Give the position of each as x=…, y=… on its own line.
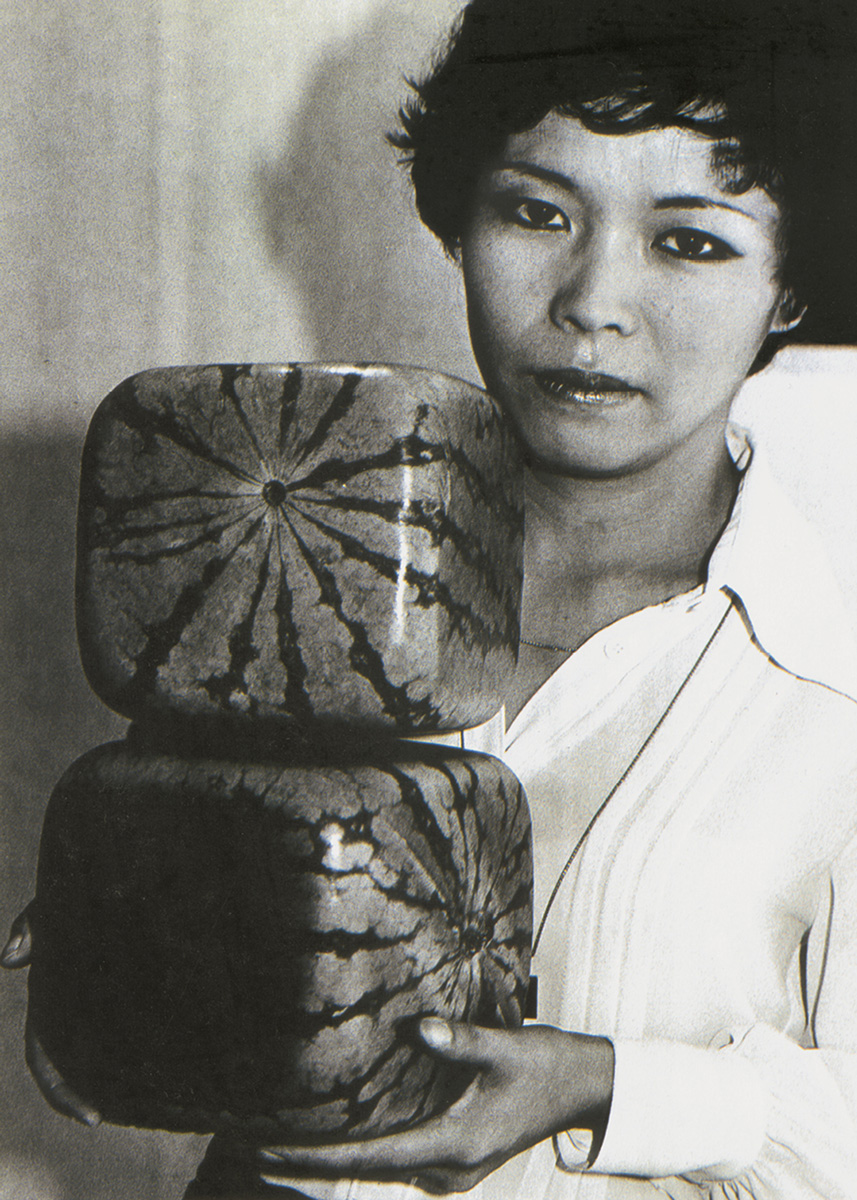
x=527, y=1084
x=18, y=950
x=464, y=1043
x=400, y=1152
x=434, y=1142
x=443, y=1141
x=438, y=1142
x=53, y=1087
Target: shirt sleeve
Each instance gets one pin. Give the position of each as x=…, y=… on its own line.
x=763, y=1117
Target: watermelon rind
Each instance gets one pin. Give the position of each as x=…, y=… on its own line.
x=232, y=945
x=300, y=542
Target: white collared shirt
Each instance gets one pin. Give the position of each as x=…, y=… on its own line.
x=709, y=922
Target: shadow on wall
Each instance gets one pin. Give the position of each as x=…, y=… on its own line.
x=338, y=216
x=48, y=717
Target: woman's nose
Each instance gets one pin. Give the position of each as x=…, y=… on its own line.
x=596, y=289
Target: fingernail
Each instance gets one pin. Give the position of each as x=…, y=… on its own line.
x=11, y=949
x=91, y=1119
x=271, y=1156
x=436, y=1033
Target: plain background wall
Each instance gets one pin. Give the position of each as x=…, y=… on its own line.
x=203, y=180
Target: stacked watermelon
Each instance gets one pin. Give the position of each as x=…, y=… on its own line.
x=285, y=573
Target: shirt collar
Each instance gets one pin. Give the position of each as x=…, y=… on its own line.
x=772, y=562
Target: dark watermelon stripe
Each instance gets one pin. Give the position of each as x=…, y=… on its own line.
x=417, y=452
x=242, y=649
x=199, y=437
x=115, y=534
x=516, y=824
x=363, y=656
x=511, y=860
x=116, y=507
x=292, y=384
x=463, y=806
x=519, y=824
x=518, y=901
x=230, y=373
x=370, y=1003
x=392, y=512
x=403, y=452
x=213, y=535
x=335, y=411
x=498, y=994
x=376, y=831
x=430, y=590
x=348, y=1092
x=479, y=559
x=431, y=517
x=392, y=821
x=520, y=897
x=165, y=423
x=343, y=944
x=485, y=490
x=314, y=1010
x=436, y=838
x=451, y=989
x=163, y=636
x=501, y=957
x=295, y=695
x=397, y=893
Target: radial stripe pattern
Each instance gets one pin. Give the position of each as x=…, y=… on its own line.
x=300, y=541
x=289, y=922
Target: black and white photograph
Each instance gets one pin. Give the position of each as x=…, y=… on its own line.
x=428, y=600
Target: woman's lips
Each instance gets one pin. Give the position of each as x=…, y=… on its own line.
x=585, y=387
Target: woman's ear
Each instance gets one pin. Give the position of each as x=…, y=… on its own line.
x=789, y=314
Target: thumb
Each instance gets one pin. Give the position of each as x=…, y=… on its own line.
x=18, y=951
x=461, y=1043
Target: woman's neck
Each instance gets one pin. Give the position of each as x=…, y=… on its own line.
x=600, y=548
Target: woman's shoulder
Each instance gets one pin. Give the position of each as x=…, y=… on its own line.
x=776, y=564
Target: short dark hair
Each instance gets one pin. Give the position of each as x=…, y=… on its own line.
x=771, y=82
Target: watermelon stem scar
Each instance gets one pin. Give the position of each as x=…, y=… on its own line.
x=274, y=493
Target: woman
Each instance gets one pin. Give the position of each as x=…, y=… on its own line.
x=637, y=226
x=635, y=200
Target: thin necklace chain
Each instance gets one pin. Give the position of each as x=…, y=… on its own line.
x=546, y=646
x=625, y=773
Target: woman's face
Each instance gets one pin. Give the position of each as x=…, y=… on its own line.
x=616, y=295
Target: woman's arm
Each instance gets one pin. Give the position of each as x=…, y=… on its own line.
x=765, y=1116
x=762, y=1117
x=531, y=1083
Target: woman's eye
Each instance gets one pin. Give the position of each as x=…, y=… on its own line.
x=538, y=214
x=695, y=246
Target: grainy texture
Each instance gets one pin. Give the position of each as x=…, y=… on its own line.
x=244, y=946
x=316, y=543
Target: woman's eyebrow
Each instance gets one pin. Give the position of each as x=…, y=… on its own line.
x=525, y=168
x=566, y=182
x=699, y=202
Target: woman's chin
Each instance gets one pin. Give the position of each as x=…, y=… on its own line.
x=547, y=451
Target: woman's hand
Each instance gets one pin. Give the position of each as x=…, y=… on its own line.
x=531, y=1083
x=18, y=952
